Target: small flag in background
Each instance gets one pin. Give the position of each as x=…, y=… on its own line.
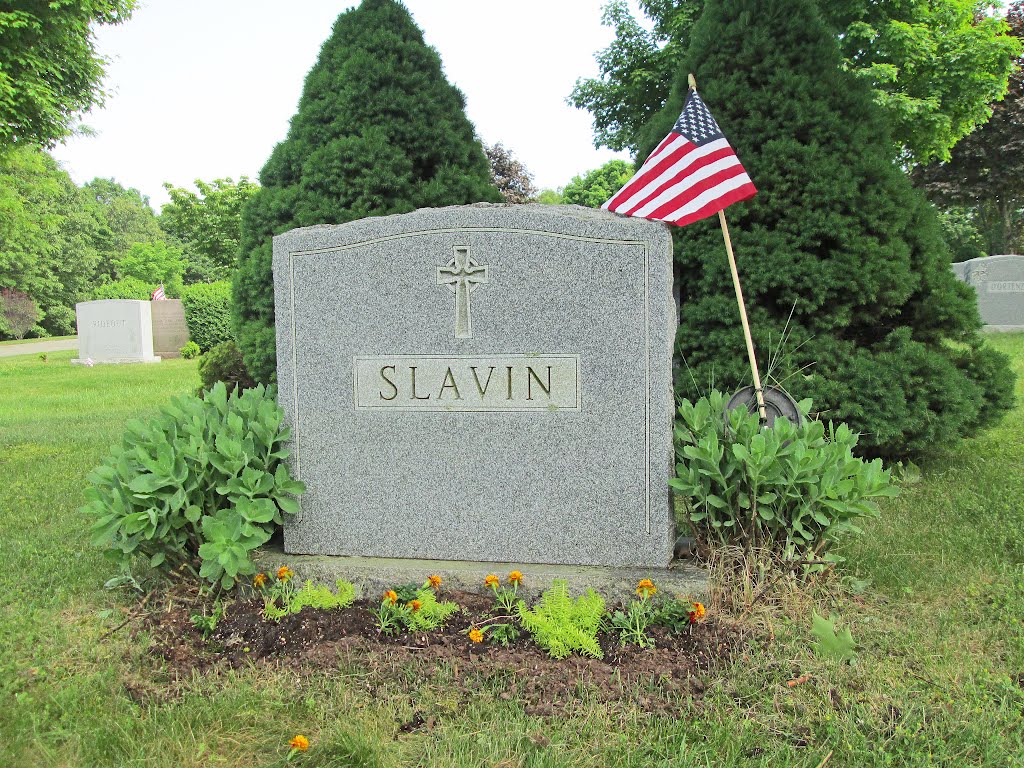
x=158, y=294
x=693, y=173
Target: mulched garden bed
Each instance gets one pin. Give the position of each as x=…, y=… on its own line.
x=679, y=663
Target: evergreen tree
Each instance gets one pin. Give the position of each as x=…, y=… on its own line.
x=882, y=335
x=379, y=130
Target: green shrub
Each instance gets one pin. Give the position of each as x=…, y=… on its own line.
x=128, y=288
x=838, y=251
x=61, y=321
x=792, y=489
x=190, y=351
x=561, y=625
x=197, y=487
x=224, y=363
x=208, y=313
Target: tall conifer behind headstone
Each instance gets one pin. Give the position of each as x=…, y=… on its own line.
x=379, y=130
x=882, y=334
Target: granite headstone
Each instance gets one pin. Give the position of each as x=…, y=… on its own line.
x=483, y=383
x=114, y=331
x=999, y=281
x=170, y=333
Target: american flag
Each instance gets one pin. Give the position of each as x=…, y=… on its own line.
x=158, y=294
x=693, y=173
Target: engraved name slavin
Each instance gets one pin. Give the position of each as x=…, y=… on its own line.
x=467, y=383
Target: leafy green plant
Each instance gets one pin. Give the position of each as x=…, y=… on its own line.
x=224, y=363
x=632, y=622
x=190, y=351
x=561, y=625
x=310, y=595
x=198, y=487
x=207, y=622
x=422, y=612
x=792, y=489
x=830, y=644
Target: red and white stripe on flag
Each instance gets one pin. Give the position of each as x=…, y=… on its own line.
x=692, y=174
x=158, y=294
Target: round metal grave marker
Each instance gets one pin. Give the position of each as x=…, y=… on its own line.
x=777, y=404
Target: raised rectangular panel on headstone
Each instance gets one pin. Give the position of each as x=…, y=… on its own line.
x=170, y=333
x=115, y=331
x=485, y=383
x=999, y=281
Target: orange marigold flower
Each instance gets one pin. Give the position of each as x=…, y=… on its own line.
x=476, y=635
x=300, y=743
x=646, y=588
x=698, y=612
x=284, y=573
x=515, y=577
x=415, y=604
x=492, y=580
x=391, y=596
x=435, y=581
x=259, y=580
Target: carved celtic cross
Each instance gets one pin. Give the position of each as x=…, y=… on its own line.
x=462, y=274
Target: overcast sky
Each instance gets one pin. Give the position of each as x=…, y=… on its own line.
x=205, y=88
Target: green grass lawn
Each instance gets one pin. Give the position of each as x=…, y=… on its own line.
x=934, y=597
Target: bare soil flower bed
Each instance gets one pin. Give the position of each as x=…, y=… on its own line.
x=678, y=663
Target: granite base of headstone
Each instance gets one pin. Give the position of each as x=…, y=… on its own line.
x=170, y=333
x=999, y=281
x=481, y=383
x=114, y=331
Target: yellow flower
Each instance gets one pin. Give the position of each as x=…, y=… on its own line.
x=492, y=580
x=698, y=612
x=300, y=743
x=435, y=581
x=391, y=596
x=415, y=605
x=645, y=588
x=284, y=573
x=259, y=580
x=476, y=635
x=515, y=577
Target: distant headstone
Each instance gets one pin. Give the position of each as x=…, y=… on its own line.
x=999, y=281
x=170, y=333
x=483, y=383
x=115, y=331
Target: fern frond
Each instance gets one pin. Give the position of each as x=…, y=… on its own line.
x=562, y=625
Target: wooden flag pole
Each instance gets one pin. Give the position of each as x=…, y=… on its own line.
x=758, y=392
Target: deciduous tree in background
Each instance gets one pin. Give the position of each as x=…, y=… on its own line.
x=18, y=313
x=935, y=66
x=509, y=175
x=124, y=217
x=881, y=335
x=47, y=236
x=50, y=71
x=208, y=223
x=595, y=187
x=379, y=130
x=986, y=169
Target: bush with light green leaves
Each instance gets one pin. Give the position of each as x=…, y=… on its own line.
x=198, y=487
x=793, y=489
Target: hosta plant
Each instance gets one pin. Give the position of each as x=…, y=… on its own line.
x=790, y=488
x=198, y=487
